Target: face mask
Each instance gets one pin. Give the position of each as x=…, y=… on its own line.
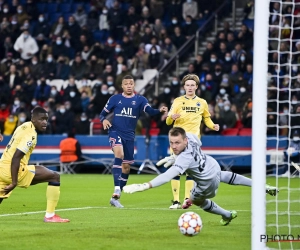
x=182, y=91
x=153, y=52
x=104, y=11
x=34, y=62
x=218, y=70
x=11, y=119
x=33, y=103
x=188, y=23
x=72, y=94
x=117, y=50
x=17, y=103
x=294, y=102
x=174, y=21
x=296, y=138
x=25, y=36
x=41, y=19
x=83, y=119
x=243, y=90
x=213, y=60
x=58, y=42
x=220, y=104
x=167, y=90
x=243, y=58
x=22, y=119
x=174, y=82
x=14, y=22
x=110, y=83
x=104, y=92
x=62, y=111
x=111, y=92
x=49, y=59
x=222, y=91
x=53, y=92
x=225, y=80
x=71, y=23
x=188, y=1
x=295, y=68
x=5, y=10
x=285, y=111
x=203, y=87
x=110, y=41
x=226, y=108
x=227, y=58
x=20, y=11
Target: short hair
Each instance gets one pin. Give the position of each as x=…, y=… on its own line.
x=191, y=77
x=128, y=77
x=38, y=110
x=175, y=131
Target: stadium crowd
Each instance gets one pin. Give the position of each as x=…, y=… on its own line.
x=92, y=46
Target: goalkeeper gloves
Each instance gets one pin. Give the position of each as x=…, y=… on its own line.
x=130, y=189
x=167, y=161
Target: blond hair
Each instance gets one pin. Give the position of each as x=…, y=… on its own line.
x=191, y=77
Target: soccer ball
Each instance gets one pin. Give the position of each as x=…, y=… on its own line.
x=189, y=224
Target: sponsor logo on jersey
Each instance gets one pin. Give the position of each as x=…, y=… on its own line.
x=191, y=109
x=120, y=102
x=126, y=112
x=29, y=144
x=177, y=166
x=198, y=104
x=133, y=102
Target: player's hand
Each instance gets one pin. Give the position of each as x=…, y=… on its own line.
x=175, y=116
x=9, y=188
x=163, y=109
x=106, y=124
x=216, y=127
x=1, y=137
x=167, y=161
x=130, y=189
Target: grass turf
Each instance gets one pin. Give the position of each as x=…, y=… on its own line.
x=145, y=222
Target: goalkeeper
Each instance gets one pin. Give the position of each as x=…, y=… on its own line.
x=187, y=112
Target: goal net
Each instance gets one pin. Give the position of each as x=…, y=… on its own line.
x=277, y=90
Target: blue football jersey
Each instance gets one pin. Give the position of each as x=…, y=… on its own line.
x=127, y=111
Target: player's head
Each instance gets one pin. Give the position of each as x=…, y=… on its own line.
x=128, y=85
x=178, y=140
x=190, y=84
x=39, y=118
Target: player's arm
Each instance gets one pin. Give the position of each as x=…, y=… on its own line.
x=207, y=120
x=172, y=116
x=106, y=110
x=15, y=165
x=145, y=106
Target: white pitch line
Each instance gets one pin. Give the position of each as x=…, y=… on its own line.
x=86, y=208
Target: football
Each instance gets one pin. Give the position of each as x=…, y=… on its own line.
x=190, y=224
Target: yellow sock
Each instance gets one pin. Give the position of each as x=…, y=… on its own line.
x=189, y=184
x=175, y=189
x=52, y=195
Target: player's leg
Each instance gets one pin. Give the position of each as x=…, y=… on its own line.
x=1, y=199
x=43, y=174
x=175, y=185
x=128, y=147
x=237, y=179
x=189, y=184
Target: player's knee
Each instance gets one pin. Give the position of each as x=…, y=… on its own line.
x=56, y=176
x=126, y=168
x=119, y=155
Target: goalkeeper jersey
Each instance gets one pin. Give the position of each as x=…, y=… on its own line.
x=191, y=111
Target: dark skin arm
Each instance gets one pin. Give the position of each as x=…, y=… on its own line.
x=15, y=165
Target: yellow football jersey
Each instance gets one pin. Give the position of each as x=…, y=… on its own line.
x=24, y=139
x=191, y=111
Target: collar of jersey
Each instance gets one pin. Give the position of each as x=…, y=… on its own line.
x=128, y=96
x=189, y=98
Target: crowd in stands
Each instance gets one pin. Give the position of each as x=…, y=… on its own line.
x=91, y=46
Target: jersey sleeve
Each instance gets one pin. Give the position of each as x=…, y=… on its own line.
x=183, y=162
x=109, y=106
x=144, y=104
x=25, y=142
x=205, y=111
x=172, y=111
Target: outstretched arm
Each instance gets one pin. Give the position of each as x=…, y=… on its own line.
x=157, y=181
x=151, y=111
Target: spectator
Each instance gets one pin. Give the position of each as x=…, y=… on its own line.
x=82, y=126
x=249, y=10
x=207, y=53
x=80, y=16
x=247, y=114
x=103, y=21
x=57, y=28
x=26, y=46
x=42, y=91
x=71, y=87
x=168, y=48
x=10, y=124
x=116, y=21
x=95, y=67
x=131, y=18
x=21, y=14
x=62, y=120
x=12, y=77
x=41, y=27
x=99, y=101
x=55, y=96
x=149, y=46
x=79, y=68
x=155, y=58
x=190, y=27
x=22, y=117
x=4, y=113
x=35, y=66
x=175, y=9
x=190, y=8
x=4, y=91
x=228, y=116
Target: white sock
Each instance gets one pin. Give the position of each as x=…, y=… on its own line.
x=49, y=215
x=117, y=188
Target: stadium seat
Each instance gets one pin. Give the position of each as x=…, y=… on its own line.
x=96, y=127
x=239, y=124
x=41, y=7
x=75, y=5
x=245, y=132
x=65, y=7
x=152, y=131
x=58, y=83
x=51, y=7
x=249, y=23
x=140, y=84
x=230, y=131
x=54, y=17
x=149, y=74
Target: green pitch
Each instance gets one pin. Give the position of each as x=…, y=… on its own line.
x=145, y=222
